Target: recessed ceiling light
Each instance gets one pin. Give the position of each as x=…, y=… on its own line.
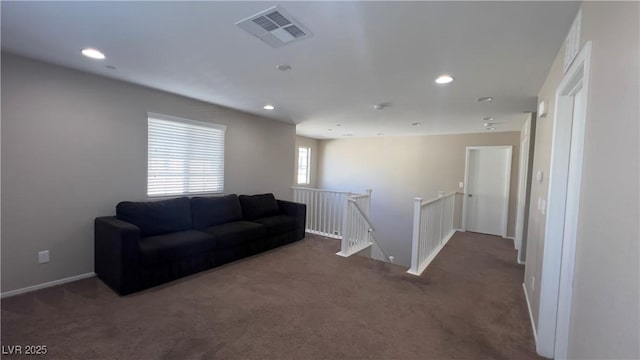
x=488, y=124
x=110, y=67
x=484, y=99
x=338, y=124
x=380, y=134
x=284, y=67
x=490, y=128
x=416, y=124
x=330, y=129
x=93, y=53
x=488, y=118
x=444, y=79
x=381, y=106
x=268, y=107
x=347, y=134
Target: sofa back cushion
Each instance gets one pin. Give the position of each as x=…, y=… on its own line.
x=156, y=217
x=215, y=210
x=259, y=206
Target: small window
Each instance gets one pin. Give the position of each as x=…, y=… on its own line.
x=184, y=156
x=304, y=161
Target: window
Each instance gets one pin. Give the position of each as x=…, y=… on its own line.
x=304, y=160
x=184, y=156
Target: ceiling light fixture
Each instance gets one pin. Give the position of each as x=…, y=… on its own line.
x=268, y=107
x=416, y=124
x=380, y=134
x=284, y=67
x=381, y=106
x=338, y=124
x=488, y=118
x=93, y=53
x=491, y=128
x=347, y=134
x=488, y=124
x=444, y=79
x=484, y=99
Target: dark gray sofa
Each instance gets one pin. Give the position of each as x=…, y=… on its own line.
x=149, y=243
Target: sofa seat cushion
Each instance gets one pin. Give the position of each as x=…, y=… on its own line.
x=278, y=224
x=215, y=210
x=258, y=206
x=157, y=217
x=237, y=233
x=170, y=247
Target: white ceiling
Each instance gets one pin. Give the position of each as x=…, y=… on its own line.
x=362, y=53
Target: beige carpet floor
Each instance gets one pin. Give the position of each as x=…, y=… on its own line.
x=296, y=302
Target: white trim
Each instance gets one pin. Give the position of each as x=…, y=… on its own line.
x=186, y=121
x=521, y=262
x=432, y=256
x=556, y=283
x=523, y=165
x=465, y=189
x=46, y=285
x=505, y=217
x=533, y=325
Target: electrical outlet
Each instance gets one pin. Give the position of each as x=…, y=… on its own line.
x=391, y=258
x=43, y=257
x=461, y=185
x=533, y=283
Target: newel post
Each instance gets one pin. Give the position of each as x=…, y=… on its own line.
x=415, y=244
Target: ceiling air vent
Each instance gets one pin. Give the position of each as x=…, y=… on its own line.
x=275, y=27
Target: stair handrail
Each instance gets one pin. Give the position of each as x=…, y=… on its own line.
x=368, y=221
x=366, y=218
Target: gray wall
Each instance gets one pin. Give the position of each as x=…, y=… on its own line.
x=605, y=318
x=399, y=169
x=74, y=144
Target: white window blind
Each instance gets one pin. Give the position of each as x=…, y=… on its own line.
x=304, y=160
x=184, y=156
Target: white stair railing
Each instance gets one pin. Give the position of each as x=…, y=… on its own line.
x=357, y=226
x=359, y=231
x=325, y=210
x=432, y=229
x=341, y=215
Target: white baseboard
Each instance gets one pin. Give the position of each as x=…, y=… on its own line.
x=460, y=230
x=533, y=325
x=521, y=262
x=46, y=285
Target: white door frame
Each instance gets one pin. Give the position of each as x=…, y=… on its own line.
x=562, y=216
x=505, y=220
x=523, y=165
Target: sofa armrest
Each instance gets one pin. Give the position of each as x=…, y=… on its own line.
x=298, y=211
x=116, y=253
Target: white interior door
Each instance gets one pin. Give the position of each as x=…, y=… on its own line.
x=486, y=203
